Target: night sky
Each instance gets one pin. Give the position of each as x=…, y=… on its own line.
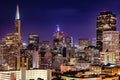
x=76, y=18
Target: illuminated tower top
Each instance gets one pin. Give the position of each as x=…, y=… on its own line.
x=17, y=27
x=58, y=28
x=17, y=13
x=58, y=36
x=17, y=22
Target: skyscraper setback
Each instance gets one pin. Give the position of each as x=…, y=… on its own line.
x=106, y=21
x=13, y=43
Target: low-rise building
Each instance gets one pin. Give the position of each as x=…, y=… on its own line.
x=27, y=75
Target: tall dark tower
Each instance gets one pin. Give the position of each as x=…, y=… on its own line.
x=106, y=21
x=17, y=27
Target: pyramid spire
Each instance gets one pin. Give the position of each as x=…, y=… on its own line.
x=17, y=13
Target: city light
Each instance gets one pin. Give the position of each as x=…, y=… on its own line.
x=62, y=56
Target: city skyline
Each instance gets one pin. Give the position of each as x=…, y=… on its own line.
x=76, y=18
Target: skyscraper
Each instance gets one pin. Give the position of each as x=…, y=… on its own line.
x=83, y=43
x=106, y=21
x=13, y=43
x=33, y=39
x=69, y=41
x=17, y=27
x=58, y=37
x=111, y=41
x=111, y=46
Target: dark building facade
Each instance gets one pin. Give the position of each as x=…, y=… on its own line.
x=33, y=39
x=106, y=21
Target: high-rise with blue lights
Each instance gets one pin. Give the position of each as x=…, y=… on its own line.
x=58, y=37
